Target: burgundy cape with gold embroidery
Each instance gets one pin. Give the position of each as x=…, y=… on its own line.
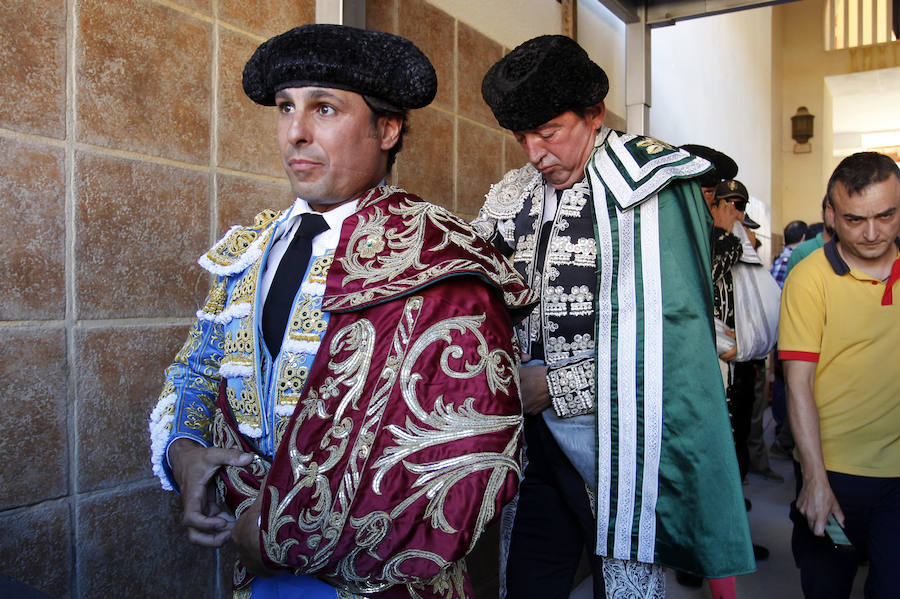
x=406, y=441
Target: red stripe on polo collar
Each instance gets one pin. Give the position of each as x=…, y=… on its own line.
x=888, y=298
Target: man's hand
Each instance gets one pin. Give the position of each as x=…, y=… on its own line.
x=731, y=354
x=245, y=536
x=815, y=501
x=724, y=215
x=535, y=391
x=194, y=466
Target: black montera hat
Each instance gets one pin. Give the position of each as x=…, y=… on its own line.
x=373, y=63
x=723, y=166
x=541, y=79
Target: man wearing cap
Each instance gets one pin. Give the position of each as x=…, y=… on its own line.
x=622, y=373
x=354, y=410
x=750, y=339
x=840, y=329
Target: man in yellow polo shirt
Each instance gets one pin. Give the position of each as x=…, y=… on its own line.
x=840, y=340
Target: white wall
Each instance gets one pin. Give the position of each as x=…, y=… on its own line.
x=511, y=22
x=712, y=85
x=602, y=35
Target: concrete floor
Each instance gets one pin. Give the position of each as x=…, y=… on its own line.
x=776, y=577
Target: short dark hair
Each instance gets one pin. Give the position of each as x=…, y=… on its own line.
x=381, y=108
x=794, y=232
x=858, y=171
x=813, y=230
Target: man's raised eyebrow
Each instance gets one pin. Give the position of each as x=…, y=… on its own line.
x=887, y=212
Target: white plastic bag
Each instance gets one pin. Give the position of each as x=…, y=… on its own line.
x=757, y=300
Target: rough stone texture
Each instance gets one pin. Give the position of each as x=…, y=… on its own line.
x=119, y=376
x=247, y=139
x=380, y=15
x=140, y=228
x=198, y=5
x=32, y=261
x=425, y=165
x=431, y=29
x=242, y=198
x=267, y=17
x=33, y=404
x=477, y=54
x=33, y=66
x=130, y=544
x=480, y=165
x=513, y=154
x=35, y=548
x=143, y=78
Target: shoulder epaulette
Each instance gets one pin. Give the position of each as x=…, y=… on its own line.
x=506, y=198
x=634, y=167
x=240, y=246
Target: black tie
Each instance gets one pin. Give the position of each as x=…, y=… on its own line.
x=287, y=280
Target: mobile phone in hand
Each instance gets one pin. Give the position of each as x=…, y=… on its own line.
x=837, y=535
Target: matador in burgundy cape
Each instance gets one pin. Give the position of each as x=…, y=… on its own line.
x=402, y=441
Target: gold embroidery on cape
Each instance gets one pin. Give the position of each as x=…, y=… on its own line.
x=245, y=290
x=209, y=387
x=224, y=436
x=237, y=242
x=281, y=423
x=215, y=301
x=319, y=269
x=389, y=274
x=239, y=345
x=654, y=146
x=265, y=217
x=307, y=323
x=291, y=379
x=449, y=423
x=246, y=407
x=449, y=583
x=190, y=345
x=244, y=593
x=373, y=528
x=357, y=340
x=423, y=429
x=199, y=420
x=168, y=389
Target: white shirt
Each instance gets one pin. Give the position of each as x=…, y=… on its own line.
x=323, y=242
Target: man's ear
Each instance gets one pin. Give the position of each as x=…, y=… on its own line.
x=828, y=215
x=389, y=131
x=597, y=114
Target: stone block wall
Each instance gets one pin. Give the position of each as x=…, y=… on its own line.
x=455, y=149
x=126, y=148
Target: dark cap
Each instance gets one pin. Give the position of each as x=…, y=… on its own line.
x=731, y=189
x=372, y=63
x=723, y=165
x=541, y=79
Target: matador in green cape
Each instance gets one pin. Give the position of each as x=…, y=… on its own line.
x=628, y=445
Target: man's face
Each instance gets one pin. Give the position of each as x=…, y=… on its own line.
x=329, y=146
x=867, y=222
x=561, y=147
x=709, y=196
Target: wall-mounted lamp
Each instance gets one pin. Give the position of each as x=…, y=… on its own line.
x=802, y=130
